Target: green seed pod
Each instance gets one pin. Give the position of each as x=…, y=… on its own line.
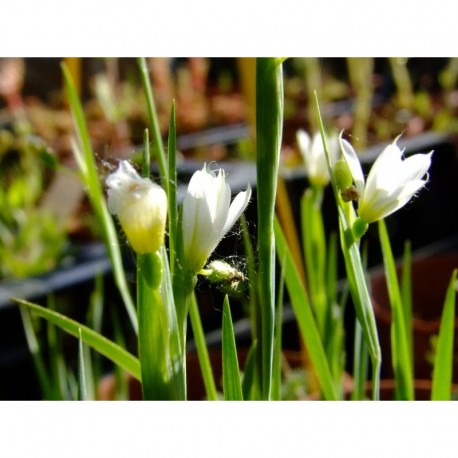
x=342, y=174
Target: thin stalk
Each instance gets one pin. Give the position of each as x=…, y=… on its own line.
x=172, y=189
x=202, y=352
x=355, y=272
x=154, y=122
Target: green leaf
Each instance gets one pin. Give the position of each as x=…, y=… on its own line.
x=269, y=124
x=443, y=361
x=172, y=189
x=82, y=386
x=231, y=373
x=34, y=348
x=202, y=352
x=249, y=377
x=276, y=367
x=399, y=342
x=85, y=159
x=154, y=123
x=313, y=237
x=101, y=344
x=304, y=316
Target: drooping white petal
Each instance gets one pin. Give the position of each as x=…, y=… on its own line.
x=353, y=162
x=236, y=209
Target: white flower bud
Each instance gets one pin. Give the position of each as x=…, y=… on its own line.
x=314, y=156
x=141, y=207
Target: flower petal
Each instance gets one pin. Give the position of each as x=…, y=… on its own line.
x=354, y=164
x=236, y=209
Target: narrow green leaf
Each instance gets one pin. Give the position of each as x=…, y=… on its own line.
x=82, y=388
x=101, y=344
x=202, y=352
x=269, y=124
x=276, y=367
x=313, y=236
x=399, y=342
x=231, y=373
x=443, y=360
x=304, y=316
x=154, y=122
x=34, y=348
x=172, y=188
x=249, y=377
x=360, y=361
x=89, y=174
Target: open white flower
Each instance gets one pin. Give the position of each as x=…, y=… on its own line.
x=208, y=214
x=314, y=157
x=391, y=183
x=141, y=207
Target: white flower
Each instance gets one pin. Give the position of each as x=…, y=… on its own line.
x=391, y=183
x=141, y=207
x=208, y=215
x=314, y=156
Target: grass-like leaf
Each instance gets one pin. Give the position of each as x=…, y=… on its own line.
x=269, y=124
x=232, y=387
x=249, y=387
x=202, y=352
x=399, y=342
x=89, y=175
x=158, y=147
x=276, y=371
x=98, y=342
x=443, y=361
x=82, y=383
x=304, y=315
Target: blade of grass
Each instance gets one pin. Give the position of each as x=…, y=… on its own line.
x=269, y=124
x=82, y=383
x=276, y=367
x=443, y=360
x=249, y=388
x=172, y=189
x=89, y=174
x=101, y=344
x=34, y=348
x=304, y=316
x=154, y=123
x=399, y=342
x=313, y=236
x=232, y=387
x=202, y=352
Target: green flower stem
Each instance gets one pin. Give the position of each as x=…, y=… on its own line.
x=269, y=123
x=153, y=339
x=202, y=352
x=355, y=272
